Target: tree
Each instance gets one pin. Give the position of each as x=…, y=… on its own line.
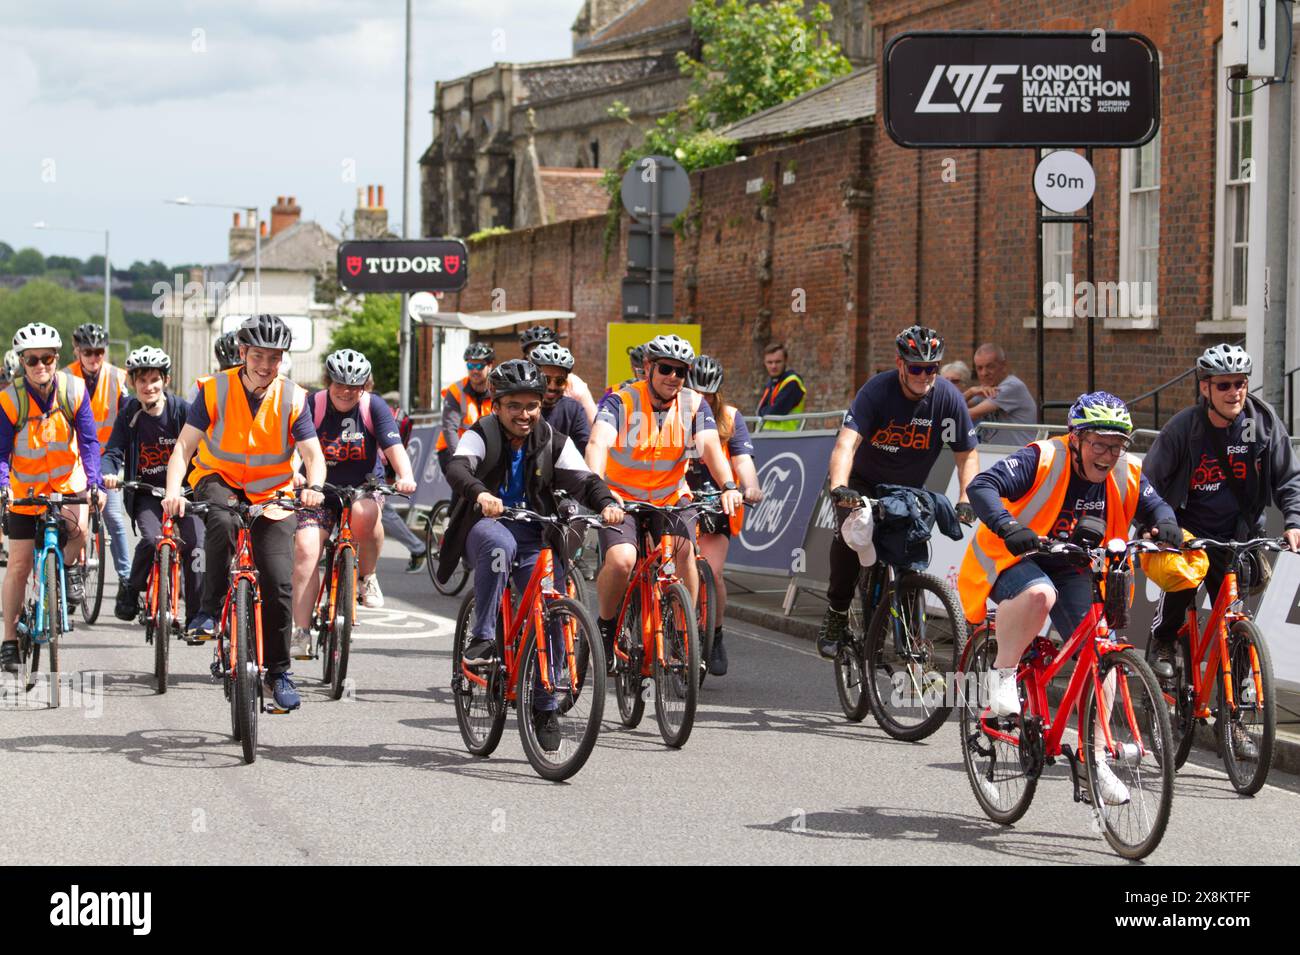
x=27, y=261
x=43, y=301
x=373, y=332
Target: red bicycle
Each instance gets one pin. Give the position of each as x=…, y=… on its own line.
x=1124, y=763
x=162, y=594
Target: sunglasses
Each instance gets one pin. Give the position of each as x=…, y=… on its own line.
x=558, y=380
x=475, y=365
x=93, y=352
x=926, y=370
x=31, y=361
x=1238, y=385
x=672, y=371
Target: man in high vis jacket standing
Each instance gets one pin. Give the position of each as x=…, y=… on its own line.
x=245, y=426
x=48, y=444
x=785, y=391
x=465, y=401
x=107, y=386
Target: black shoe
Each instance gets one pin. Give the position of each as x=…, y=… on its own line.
x=547, y=726
x=416, y=562
x=718, y=665
x=607, y=629
x=1163, y=656
x=9, y=656
x=835, y=627
x=127, y=605
x=478, y=652
x=76, y=589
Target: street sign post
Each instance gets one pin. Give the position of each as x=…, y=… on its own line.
x=1064, y=181
x=653, y=187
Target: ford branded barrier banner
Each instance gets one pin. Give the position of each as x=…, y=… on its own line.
x=403, y=265
x=791, y=472
x=431, y=486
x=991, y=89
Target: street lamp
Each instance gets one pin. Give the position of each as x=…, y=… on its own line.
x=108, y=282
x=257, y=240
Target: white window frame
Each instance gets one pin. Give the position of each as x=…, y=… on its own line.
x=1128, y=232
x=1222, y=311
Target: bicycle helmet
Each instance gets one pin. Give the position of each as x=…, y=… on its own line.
x=226, y=348
x=90, y=335
x=537, y=335
x=479, y=351
x=550, y=353
x=36, y=335
x=1223, y=360
x=1102, y=412
x=706, y=375
x=920, y=343
x=347, y=367
x=514, y=376
x=265, y=331
x=672, y=347
x=149, y=357
x=13, y=366
x=636, y=356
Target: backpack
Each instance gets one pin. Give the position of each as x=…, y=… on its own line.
x=320, y=401
x=62, y=400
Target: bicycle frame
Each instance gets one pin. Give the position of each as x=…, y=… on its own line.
x=50, y=523
x=657, y=561
x=1210, y=647
x=167, y=539
x=327, y=594
x=244, y=570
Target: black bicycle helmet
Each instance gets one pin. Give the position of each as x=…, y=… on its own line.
x=226, y=348
x=550, y=353
x=672, y=347
x=479, y=351
x=516, y=375
x=347, y=367
x=636, y=356
x=149, y=357
x=1223, y=360
x=536, y=335
x=920, y=343
x=90, y=335
x=265, y=331
x=706, y=375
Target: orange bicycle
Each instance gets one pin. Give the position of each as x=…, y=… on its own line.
x=1231, y=658
x=162, y=594
x=549, y=659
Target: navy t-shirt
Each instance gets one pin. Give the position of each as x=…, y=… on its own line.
x=351, y=454
x=1212, y=509
x=155, y=445
x=901, y=439
x=697, y=474
x=569, y=418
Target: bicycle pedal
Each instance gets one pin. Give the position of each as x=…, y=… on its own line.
x=272, y=710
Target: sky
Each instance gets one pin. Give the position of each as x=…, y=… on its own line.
x=108, y=108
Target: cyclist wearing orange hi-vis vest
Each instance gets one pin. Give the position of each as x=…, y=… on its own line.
x=245, y=427
x=465, y=401
x=645, y=435
x=47, y=445
x=106, y=384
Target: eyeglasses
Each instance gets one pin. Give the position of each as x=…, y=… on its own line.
x=93, y=352
x=1108, y=448
x=926, y=370
x=1238, y=385
x=672, y=371
x=475, y=365
x=558, y=381
x=31, y=361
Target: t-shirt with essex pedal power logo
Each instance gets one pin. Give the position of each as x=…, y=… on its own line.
x=155, y=448
x=901, y=438
x=1211, y=508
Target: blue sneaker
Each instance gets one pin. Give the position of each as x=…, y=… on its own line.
x=283, y=691
x=203, y=626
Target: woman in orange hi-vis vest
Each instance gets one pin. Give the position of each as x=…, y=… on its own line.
x=245, y=426
x=643, y=438
x=1044, y=490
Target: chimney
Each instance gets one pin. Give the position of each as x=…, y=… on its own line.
x=381, y=197
x=241, y=239
x=370, y=221
x=284, y=215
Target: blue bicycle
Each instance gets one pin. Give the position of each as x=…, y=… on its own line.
x=44, y=619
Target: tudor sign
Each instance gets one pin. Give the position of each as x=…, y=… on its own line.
x=403, y=265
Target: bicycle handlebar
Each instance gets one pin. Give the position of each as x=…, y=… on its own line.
x=1240, y=547
x=41, y=500
x=369, y=486
x=524, y=515
x=1047, y=545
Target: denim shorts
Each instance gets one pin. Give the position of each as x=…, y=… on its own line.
x=1073, y=586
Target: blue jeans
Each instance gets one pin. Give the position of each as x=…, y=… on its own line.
x=115, y=526
x=1073, y=586
x=397, y=530
x=496, y=549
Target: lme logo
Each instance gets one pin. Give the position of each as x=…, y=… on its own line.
x=971, y=86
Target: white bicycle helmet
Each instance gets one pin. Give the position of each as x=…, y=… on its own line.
x=13, y=365
x=1223, y=360
x=347, y=367
x=672, y=347
x=149, y=357
x=36, y=335
x=550, y=353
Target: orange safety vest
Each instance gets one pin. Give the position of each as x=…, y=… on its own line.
x=1038, y=510
x=647, y=461
x=471, y=408
x=45, y=456
x=110, y=388
x=248, y=451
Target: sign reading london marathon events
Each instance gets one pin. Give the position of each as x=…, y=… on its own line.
x=403, y=265
x=989, y=89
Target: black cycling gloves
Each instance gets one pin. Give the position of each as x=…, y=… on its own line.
x=1168, y=532
x=965, y=512
x=1018, y=538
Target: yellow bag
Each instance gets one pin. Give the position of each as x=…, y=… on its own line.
x=1181, y=571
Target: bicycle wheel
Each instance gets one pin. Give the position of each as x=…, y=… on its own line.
x=706, y=612
x=849, y=660
x=1137, y=762
x=997, y=773
x=53, y=623
x=162, y=618
x=576, y=702
x=340, y=627
x=92, y=568
x=909, y=655
x=575, y=586
x=627, y=674
x=480, y=711
x=1255, y=717
x=247, y=691
x=677, y=675
x=1179, y=697
x=435, y=529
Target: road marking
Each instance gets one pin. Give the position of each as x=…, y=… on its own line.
x=727, y=628
x=394, y=624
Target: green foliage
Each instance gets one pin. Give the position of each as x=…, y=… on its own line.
x=482, y=234
x=373, y=332
x=27, y=261
x=43, y=301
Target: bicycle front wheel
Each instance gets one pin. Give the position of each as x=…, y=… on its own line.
x=92, y=568
x=247, y=679
x=1179, y=698
x=850, y=661
x=53, y=623
x=162, y=618
x=627, y=673
x=435, y=530
x=1247, y=732
x=558, y=727
x=910, y=654
x=706, y=613
x=677, y=666
x=480, y=710
x=340, y=625
x=1127, y=749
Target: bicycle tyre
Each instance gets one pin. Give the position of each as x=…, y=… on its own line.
x=480, y=711
x=575, y=586
x=247, y=695
x=850, y=660
x=628, y=676
x=344, y=611
x=706, y=611
x=1004, y=797
x=678, y=681
x=889, y=656
x=162, y=618
x=92, y=568
x=53, y=623
x=1247, y=776
x=435, y=530
x=323, y=630
x=1182, y=721
x=587, y=723
x=1154, y=763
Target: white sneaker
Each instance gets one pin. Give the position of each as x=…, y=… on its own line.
x=1004, y=700
x=1113, y=792
x=372, y=598
x=300, y=644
